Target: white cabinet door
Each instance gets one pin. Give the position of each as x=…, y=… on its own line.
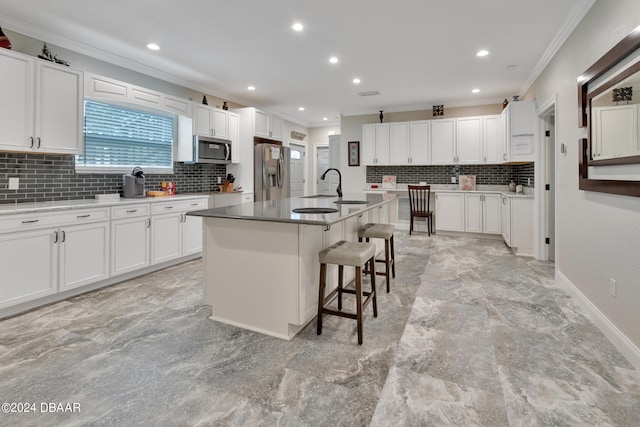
x=491, y=213
x=420, y=142
x=84, y=254
x=450, y=211
x=383, y=143
x=492, y=139
x=369, y=144
x=469, y=140
x=220, y=122
x=166, y=237
x=191, y=235
x=399, y=153
x=202, y=120
x=520, y=126
x=443, y=138
x=505, y=219
x=614, y=130
x=16, y=108
x=473, y=212
x=276, y=126
x=29, y=266
x=261, y=124
x=59, y=109
x=129, y=244
x=234, y=136
x=522, y=225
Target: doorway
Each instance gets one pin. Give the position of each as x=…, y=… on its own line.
x=298, y=154
x=550, y=175
x=322, y=164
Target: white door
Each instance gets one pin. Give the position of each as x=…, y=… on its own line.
x=84, y=254
x=469, y=140
x=16, y=108
x=322, y=164
x=298, y=156
x=166, y=237
x=473, y=212
x=550, y=171
x=491, y=206
x=443, y=137
x=129, y=244
x=191, y=235
x=450, y=211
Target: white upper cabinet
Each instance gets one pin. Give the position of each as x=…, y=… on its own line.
x=41, y=107
x=375, y=144
x=212, y=122
x=399, y=153
x=492, y=139
x=520, y=131
x=443, y=140
x=234, y=136
x=420, y=142
x=266, y=125
x=614, y=130
x=469, y=140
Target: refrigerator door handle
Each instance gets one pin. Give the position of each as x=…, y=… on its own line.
x=279, y=175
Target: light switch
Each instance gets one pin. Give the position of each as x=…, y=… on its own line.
x=14, y=183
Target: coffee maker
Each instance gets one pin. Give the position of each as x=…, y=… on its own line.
x=133, y=183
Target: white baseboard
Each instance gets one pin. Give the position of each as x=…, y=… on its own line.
x=613, y=334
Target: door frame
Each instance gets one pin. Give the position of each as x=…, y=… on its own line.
x=316, y=173
x=541, y=225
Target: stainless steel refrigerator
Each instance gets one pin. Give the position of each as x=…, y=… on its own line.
x=271, y=172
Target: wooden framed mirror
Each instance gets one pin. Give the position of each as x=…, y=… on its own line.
x=607, y=107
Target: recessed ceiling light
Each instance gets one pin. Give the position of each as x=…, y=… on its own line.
x=301, y=108
x=475, y=91
x=324, y=118
x=356, y=80
x=333, y=60
x=153, y=46
x=298, y=26
x=482, y=53
x=251, y=88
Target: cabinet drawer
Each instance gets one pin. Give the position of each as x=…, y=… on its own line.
x=34, y=221
x=178, y=206
x=130, y=211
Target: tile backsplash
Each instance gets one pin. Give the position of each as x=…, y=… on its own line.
x=49, y=177
x=485, y=174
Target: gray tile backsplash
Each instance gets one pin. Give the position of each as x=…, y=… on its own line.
x=49, y=177
x=485, y=174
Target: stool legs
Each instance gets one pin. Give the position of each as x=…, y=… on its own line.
x=358, y=316
x=393, y=259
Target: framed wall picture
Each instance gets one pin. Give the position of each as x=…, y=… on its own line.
x=354, y=153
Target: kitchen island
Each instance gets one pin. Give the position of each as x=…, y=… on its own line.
x=260, y=259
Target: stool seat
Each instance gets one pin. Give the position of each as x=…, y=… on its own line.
x=353, y=254
x=376, y=231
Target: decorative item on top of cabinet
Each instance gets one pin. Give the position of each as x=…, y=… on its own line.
x=4, y=40
x=204, y=100
x=438, y=110
x=505, y=103
x=224, y=105
x=48, y=56
x=381, y=116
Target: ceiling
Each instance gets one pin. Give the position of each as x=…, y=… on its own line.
x=415, y=53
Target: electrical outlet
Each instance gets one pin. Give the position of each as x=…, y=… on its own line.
x=453, y=179
x=14, y=183
x=612, y=287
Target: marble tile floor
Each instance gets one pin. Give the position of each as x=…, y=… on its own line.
x=469, y=335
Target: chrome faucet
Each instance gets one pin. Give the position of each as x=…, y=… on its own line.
x=339, y=189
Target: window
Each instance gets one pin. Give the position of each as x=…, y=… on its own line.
x=116, y=139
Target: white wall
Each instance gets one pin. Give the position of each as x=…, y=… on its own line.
x=598, y=235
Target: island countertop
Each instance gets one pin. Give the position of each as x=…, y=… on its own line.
x=282, y=210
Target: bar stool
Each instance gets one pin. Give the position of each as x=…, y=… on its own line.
x=381, y=231
x=352, y=254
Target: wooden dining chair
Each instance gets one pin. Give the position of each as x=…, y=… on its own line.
x=419, y=205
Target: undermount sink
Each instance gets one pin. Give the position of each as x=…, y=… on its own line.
x=315, y=210
x=351, y=202
x=318, y=196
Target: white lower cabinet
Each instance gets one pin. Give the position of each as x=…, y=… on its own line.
x=482, y=213
x=173, y=233
x=517, y=224
x=29, y=265
x=130, y=238
x=84, y=254
x=506, y=220
x=450, y=211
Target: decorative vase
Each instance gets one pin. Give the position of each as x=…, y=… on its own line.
x=505, y=103
x=381, y=116
x=4, y=40
x=204, y=100
x=225, y=106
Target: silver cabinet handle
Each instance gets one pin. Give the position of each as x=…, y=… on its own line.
x=132, y=211
x=168, y=207
x=64, y=236
x=194, y=204
x=38, y=143
x=148, y=222
x=84, y=216
x=30, y=142
x=55, y=238
x=31, y=221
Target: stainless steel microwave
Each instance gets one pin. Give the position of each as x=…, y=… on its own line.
x=211, y=150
